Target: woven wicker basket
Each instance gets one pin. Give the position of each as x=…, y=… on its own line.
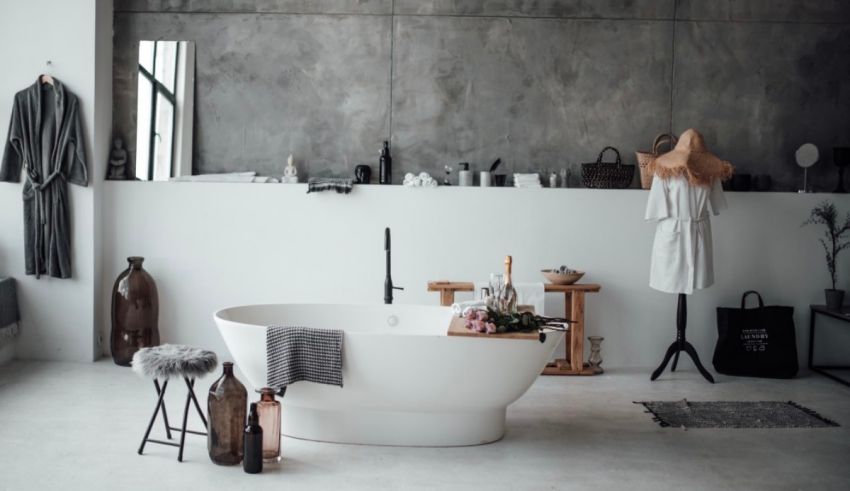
x=646, y=158
x=607, y=175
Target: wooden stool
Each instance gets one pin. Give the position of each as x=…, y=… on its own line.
x=162, y=363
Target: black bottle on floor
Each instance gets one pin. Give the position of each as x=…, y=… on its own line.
x=385, y=165
x=252, y=462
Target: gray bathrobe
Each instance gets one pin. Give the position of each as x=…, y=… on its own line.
x=46, y=142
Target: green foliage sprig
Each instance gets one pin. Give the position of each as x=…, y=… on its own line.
x=834, y=240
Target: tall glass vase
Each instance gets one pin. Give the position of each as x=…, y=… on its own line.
x=226, y=405
x=269, y=410
x=594, y=362
x=135, y=312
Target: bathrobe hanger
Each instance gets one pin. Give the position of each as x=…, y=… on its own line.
x=44, y=78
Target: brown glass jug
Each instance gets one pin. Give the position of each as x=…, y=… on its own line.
x=269, y=410
x=226, y=406
x=135, y=312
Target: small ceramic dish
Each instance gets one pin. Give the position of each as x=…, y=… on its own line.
x=558, y=278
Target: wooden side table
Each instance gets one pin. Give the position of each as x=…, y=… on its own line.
x=573, y=363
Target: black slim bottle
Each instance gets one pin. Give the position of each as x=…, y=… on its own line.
x=252, y=462
x=385, y=165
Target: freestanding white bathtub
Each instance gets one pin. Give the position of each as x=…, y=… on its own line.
x=405, y=381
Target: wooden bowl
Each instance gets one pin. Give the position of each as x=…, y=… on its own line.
x=557, y=278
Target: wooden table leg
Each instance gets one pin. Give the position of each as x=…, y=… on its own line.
x=568, y=314
x=577, y=333
x=447, y=297
x=574, y=363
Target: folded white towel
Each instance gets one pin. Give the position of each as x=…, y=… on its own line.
x=460, y=308
x=532, y=294
x=527, y=180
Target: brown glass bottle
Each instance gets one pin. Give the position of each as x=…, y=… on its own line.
x=135, y=312
x=269, y=410
x=226, y=406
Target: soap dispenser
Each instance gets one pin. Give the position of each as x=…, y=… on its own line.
x=464, y=176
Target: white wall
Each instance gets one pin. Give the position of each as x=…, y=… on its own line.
x=211, y=246
x=57, y=315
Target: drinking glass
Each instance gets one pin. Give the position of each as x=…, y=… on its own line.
x=497, y=284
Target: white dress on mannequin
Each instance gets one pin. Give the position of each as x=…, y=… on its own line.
x=682, y=251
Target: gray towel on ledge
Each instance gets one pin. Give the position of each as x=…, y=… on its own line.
x=9, y=315
x=303, y=353
x=341, y=185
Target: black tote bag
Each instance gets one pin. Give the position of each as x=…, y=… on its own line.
x=757, y=342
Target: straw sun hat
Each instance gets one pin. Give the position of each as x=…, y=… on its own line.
x=692, y=159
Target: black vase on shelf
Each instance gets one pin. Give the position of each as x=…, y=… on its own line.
x=135, y=312
x=226, y=407
x=834, y=299
x=362, y=174
x=741, y=182
x=762, y=182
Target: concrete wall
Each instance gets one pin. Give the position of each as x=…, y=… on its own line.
x=256, y=243
x=542, y=84
x=58, y=316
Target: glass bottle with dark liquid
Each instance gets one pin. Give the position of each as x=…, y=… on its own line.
x=252, y=463
x=385, y=165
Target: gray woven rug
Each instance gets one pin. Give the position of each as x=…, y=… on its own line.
x=731, y=414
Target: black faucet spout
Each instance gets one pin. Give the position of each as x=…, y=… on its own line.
x=388, y=281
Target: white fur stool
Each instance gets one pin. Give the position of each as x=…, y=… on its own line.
x=162, y=363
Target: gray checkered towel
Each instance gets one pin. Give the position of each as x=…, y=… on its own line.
x=303, y=353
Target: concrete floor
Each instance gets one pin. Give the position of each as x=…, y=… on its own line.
x=77, y=426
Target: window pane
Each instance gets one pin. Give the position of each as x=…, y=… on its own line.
x=146, y=55
x=164, y=137
x=166, y=63
x=143, y=128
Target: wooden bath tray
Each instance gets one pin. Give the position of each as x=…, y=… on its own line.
x=573, y=363
x=458, y=328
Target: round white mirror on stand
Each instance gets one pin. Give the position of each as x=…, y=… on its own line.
x=807, y=155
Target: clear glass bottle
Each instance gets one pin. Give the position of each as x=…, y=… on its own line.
x=508, y=296
x=226, y=405
x=269, y=411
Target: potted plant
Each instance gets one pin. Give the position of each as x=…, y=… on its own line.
x=834, y=241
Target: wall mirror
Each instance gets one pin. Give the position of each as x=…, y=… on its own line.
x=165, y=108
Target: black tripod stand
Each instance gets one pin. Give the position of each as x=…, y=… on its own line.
x=681, y=344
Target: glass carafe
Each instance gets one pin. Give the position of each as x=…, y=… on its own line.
x=269, y=410
x=227, y=407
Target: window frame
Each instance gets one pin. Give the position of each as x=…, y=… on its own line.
x=158, y=88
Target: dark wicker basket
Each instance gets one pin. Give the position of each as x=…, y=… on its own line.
x=607, y=175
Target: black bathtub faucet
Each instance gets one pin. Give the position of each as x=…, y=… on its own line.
x=388, y=281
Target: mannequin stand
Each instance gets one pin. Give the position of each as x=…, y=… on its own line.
x=681, y=344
